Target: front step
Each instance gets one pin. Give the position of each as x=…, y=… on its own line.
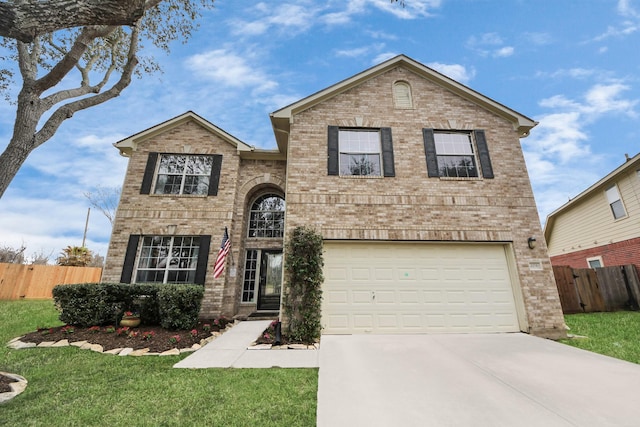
x=260, y=315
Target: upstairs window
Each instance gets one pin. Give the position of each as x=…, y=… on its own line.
x=360, y=152
x=266, y=218
x=455, y=155
x=182, y=174
x=179, y=174
x=615, y=202
x=451, y=154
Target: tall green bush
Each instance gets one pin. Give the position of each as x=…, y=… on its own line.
x=88, y=304
x=179, y=305
x=303, y=279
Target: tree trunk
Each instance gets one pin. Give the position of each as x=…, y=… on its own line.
x=23, y=140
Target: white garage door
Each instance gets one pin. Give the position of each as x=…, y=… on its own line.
x=416, y=288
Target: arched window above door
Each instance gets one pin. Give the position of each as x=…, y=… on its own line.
x=266, y=218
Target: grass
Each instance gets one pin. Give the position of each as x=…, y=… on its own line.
x=72, y=387
x=614, y=334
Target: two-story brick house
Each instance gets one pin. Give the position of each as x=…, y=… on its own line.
x=416, y=182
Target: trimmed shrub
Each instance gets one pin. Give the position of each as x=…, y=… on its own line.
x=93, y=304
x=88, y=304
x=179, y=305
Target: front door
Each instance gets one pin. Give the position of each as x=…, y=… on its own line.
x=270, y=280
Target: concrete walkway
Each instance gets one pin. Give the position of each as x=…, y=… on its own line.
x=471, y=380
x=230, y=350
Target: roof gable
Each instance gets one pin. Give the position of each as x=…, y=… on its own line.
x=129, y=144
x=281, y=119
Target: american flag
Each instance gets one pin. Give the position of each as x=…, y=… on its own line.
x=218, y=268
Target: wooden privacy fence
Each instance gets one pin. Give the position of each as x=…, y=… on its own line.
x=585, y=290
x=19, y=281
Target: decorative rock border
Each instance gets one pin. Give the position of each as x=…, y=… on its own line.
x=17, y=344
x=17, y=387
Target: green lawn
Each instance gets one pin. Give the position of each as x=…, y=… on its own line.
x=72, y=387
x=613, y=334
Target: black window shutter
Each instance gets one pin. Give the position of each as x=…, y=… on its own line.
x=333, y=151
x=430, y=153
x=203, y=260
x=214, y=179
x=149, y=171
x=387, y=152
x=130, y=258
x=483, y=154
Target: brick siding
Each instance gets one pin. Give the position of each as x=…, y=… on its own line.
x=407, y=207
x=619, y=253
x=411, y=206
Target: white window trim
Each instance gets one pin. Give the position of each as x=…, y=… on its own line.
x=379, y=153
x=611, y=199
x=181, y=193
x=166, y=269
x=595, y=258
x=474, y=154
x=256, y=279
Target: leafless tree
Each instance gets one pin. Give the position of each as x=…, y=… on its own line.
x=105, y=199
x=12, y=255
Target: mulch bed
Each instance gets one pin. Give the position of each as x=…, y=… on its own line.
x=4, y=384
x=155, y=338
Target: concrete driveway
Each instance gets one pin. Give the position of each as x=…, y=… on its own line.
x=471, y=380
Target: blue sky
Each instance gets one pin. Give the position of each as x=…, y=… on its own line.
x=572, y=66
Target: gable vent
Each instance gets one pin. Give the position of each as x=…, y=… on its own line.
x=402, y=95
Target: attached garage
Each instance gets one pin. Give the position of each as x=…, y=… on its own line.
x=373, y=287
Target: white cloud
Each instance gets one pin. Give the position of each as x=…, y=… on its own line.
x=383, y=57
x=381, y=35
x=624, y=29
x=489, y=44
x=558, y=152
x=354, y=53
x=457, y=72
x=284, y=18
x=630, y=24
x=574, y=73
x=625, y=9
x=230, y=69
x=53, y=225
x=503, y=52
x=344, y=16
x=598, y=100
x=412, y=9
x=301, y=16
x=539, y=39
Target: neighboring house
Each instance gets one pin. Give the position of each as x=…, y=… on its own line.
x=416, y=182
x=600, y=227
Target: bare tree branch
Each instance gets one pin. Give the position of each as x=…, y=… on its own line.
x=105, y=200
x=24, y=21
x=68, y=110
x=69, y=61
